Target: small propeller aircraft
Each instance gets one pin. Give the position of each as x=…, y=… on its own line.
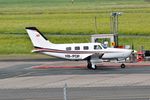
x=92, y=52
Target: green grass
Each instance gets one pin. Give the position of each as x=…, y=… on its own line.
x=13, y=44
x=75, y=23
x=137, y=42
x=62, y=17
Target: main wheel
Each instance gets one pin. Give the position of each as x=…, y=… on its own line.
x=89, y=65
x=122, y=65
x=94, y=67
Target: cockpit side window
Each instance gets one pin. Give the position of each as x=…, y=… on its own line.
x=97, y=47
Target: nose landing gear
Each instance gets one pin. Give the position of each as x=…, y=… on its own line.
x=122, y=65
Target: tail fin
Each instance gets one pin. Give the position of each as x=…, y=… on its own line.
x=37, y=38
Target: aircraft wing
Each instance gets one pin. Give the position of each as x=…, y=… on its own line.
x=83, y=56
x=35, y=51
x=95, y=55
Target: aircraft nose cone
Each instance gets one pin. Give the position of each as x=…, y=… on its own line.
x=128, y=52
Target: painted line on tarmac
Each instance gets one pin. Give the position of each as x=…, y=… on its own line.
x=22, y=75
x=47, y=67
x=138, y=65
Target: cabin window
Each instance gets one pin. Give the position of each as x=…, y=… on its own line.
x=68, y=48
x=77, y=48
x=97, y=47
x=86, y=48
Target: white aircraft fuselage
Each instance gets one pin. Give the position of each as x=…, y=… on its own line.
x=60, y=50
x=92, y=52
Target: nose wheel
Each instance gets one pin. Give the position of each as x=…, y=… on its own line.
x=122, y=65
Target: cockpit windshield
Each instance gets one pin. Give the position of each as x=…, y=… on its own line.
x=104, y=46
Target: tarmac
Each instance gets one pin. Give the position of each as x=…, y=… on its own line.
x=30, y=77
x=33, y=73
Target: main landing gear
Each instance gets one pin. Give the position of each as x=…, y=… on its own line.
x=91, y=65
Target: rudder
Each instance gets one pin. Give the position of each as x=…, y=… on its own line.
x=37, y=38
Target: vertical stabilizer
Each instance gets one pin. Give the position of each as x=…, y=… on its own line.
x=37, y=38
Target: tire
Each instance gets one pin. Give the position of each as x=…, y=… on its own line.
x=89, y=65
x=95, y=67
x=122, y=65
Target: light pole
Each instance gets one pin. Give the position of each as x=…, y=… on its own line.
x=114, y=25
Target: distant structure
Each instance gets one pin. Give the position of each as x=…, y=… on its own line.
x=147, y=0
x=72, y=1
x=114, y=26
x=111, y=37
